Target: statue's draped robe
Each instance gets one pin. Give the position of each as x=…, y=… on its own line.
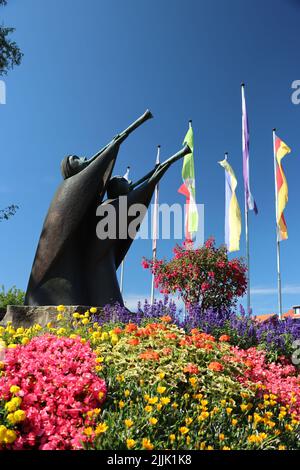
x=72, y=266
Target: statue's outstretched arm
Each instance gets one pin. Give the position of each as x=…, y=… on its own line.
x=119, y=138
x=160, y=169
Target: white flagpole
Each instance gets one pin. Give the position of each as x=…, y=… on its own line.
x=122, y=277
x=247, y=229
x=155, y=226
x=277, y=233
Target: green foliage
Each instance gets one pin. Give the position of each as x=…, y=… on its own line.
x=12, y=296
x=8, y=212
x=10, y=54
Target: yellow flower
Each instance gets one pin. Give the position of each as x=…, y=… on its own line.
x=101, y=429
x=193, y=381
x=114, y=339
x=226, y=448
x=188, y=421
x=234, y=422
x=288, y=427
x=146, y=444
x=11, y=418
x=19, y=416
x=281, y=447
x=76, y=315
x=223, y=402
x=159, y=406
x=244, y=407
x=128, y=423
x=85, y=321
x=25, y=340
x=10, y=436
x=101, y=395
x=228, y=411
x=188, y=440
x=98, y=368
x=148, y=408
x=172, y=437
x=202, y=445
x=12, y=345
x=105, y=336
x=60, y=308
x=121, y=404
x=153, y=421
x=184, y=430
x=3, y=430
x=13, y=404
x=93, y=310
x=59, y=317
x=174, y=405
x=161, y=375
x=221, y=437
x=209, y=448
x=152, y=400
x=127, y=393
x=161, y=389
x=203, y=416
x=130, y=443
x=88, y=431
x=14, y=389
x=204, y=402
x=165, y=400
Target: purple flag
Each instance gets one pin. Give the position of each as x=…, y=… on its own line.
x=251, y=204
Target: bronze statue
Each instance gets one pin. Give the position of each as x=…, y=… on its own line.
x=72, y=266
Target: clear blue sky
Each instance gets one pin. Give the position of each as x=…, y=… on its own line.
x=91, y=67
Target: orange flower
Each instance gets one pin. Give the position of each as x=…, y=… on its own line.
x=133, y=341
x=215, y=366
x=166, y=351
x=171, y=336
x=130, y=328
x=117, y=330
x=166, y=319
x=224, y=338
x=191, y=369
x=149, y=355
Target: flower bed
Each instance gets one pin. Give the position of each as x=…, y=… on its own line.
x=151, y=385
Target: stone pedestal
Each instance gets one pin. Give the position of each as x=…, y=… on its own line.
x=26, y=316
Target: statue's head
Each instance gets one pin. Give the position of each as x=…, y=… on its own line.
x=72, y=165
x=118, y=186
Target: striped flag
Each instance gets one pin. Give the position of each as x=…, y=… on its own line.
x=250, y=202
x=232, y=210
x=281, y=150
x=188, y=188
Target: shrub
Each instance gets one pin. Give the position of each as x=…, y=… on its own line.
x=12, y=296
x=203, y=276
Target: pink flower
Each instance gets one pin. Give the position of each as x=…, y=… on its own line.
x=58, y=386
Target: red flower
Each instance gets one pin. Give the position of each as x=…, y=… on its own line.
x=216, y=367
x=224, y=338
x=130, y=328
x=191, y=369
x=133, y=341
x=149, y=355
x=145, y=264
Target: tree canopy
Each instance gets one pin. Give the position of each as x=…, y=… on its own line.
x=10, y=54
